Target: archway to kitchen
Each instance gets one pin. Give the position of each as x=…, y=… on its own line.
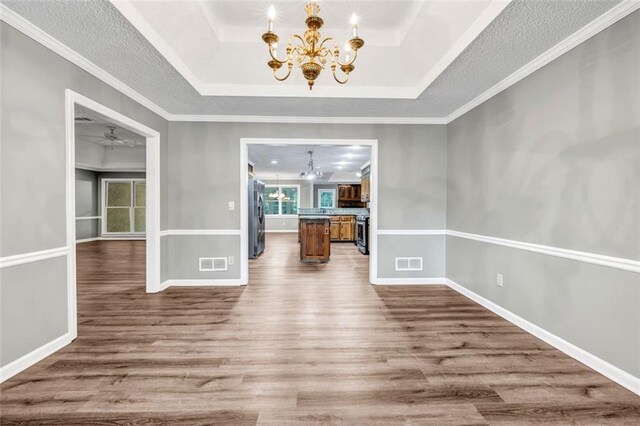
x=245, y=143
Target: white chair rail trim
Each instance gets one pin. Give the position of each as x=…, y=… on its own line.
x=582, y=256
x=88, y=217
x=35, y=256
x=199, y=232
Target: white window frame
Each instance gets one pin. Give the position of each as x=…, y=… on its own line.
x=333, y=198
x=297, y=187
x=104, y=204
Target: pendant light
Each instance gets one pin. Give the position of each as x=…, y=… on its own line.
x=311, y=172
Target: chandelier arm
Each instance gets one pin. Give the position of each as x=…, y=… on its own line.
x=335, y=76
x=320, y=46
x=355, y=55
x=276, y=59
x=290, y=67
x=304, y=43
x=324, y=52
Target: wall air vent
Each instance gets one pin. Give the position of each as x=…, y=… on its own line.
x=408, y=264
x=208, y=264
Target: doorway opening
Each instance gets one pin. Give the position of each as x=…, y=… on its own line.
x=305, y=179
x=119, y=198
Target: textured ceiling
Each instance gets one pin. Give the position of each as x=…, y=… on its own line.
x=524, y=30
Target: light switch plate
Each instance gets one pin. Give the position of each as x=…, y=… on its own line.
x=232, y=205
x=230, y=260
x=500, y=280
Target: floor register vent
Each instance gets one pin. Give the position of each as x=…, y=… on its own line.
x=208, y=264
x=408, y=264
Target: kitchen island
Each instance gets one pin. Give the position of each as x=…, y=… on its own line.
x=315, y=243
x=336, y=225
x=343, y=221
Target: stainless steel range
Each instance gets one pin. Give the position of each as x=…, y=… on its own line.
x=362, y=234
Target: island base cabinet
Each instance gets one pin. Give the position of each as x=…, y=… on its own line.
x=315, y=244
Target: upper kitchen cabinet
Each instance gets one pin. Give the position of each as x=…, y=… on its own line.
x=349, y=196
x=365, y=187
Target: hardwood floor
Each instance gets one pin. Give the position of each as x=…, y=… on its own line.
x=303, y=343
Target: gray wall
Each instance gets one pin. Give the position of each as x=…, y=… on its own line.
x=554, y=160
x=323, y=186
x=33, y=81
x=204, y=175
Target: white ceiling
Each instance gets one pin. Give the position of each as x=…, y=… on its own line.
x=94, y=130
x=518, y=36
x=334, y=161
x=220, y=51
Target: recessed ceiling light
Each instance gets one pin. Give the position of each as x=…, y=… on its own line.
x=339, y=167
x=342, y=163
x=349, y=155
x=274, y=161
x=356, y=147
x=358, y=174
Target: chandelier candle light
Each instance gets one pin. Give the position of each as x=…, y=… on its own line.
x=309, y=51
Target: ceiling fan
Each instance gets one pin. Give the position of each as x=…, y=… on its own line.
x=113, y=139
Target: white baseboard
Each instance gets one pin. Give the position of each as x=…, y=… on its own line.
x=231, y=282
x=88, y=240
x=26, y=361
x=601, y=366
x=409, y=281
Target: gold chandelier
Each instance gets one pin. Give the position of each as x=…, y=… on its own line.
x=309, y=51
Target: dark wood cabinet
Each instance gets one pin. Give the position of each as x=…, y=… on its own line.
x=349, y=196
x=315, y=244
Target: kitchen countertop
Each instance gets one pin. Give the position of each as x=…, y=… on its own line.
x=305, y=212
x=314, y=216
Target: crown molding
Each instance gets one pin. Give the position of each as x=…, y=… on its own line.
x=494, y=9
x=612, y=16
x=594, y=27
x=18, y=22
x=307, y=120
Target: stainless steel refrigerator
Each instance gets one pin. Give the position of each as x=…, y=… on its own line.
x=256, y=218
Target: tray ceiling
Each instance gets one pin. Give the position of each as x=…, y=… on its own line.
x=217, y=46
x=521, y=32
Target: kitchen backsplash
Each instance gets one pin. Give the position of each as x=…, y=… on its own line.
x=346, y=211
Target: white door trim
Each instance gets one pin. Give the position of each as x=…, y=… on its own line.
x=153, y=195
x=244, y=182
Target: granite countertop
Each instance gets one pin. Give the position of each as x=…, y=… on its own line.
x=314, y=216
x=332, y=212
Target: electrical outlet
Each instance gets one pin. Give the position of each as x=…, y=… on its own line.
x=232, y=205
x=500, y=280
x=231, y=260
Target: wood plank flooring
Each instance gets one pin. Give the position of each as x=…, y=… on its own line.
x=302, y=344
